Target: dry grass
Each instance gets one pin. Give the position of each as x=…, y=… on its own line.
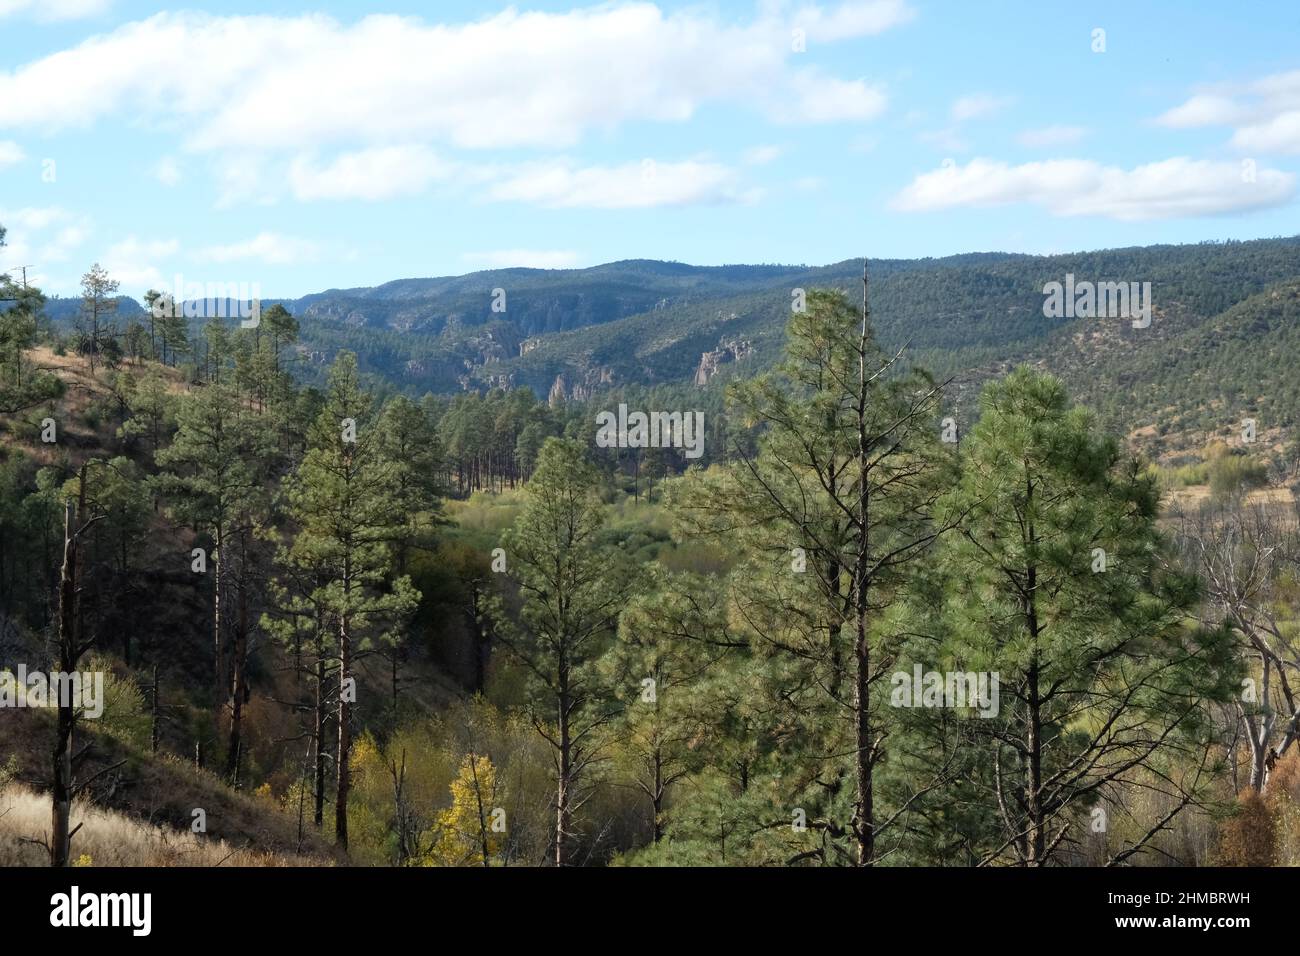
x=159, y=791
x=109, y=838
x=1193, y=496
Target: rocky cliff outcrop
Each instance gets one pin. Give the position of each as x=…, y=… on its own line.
x=579, y=386
x=727, y=351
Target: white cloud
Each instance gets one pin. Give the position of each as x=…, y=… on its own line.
x=523, y=258
x=10, y=153
x=1051, y=136
x=1201, y=110
x=267, y=247
x=54, y=10
x=390, y=172
x=851, y=19
x=137, y=263
x=38, y=237
x=1075, y=187
x=818, y=98
x=379, y=173
x=33, y=218
x=1265, y=113
x=950, y=138
x=507, y=80
x=627, y=186
x=59, y=247
x=1280, y=134
x=977, y=106
x=242, y=177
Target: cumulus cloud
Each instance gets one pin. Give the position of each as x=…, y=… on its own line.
x=1171, y=188
x=138, y=263
x=380, y=173
x=627, y=186
x=1278, y=134
x=821, y=24
x=509, y=80
x=1201, y=110
x=270, y=248
x=41, y=236
x=819, y=98
x=390, y=172
x=53, y=10
x=973, y=106
x=1265, y=113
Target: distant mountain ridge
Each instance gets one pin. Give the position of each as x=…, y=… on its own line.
x=572, y=333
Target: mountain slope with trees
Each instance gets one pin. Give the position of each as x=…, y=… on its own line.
x=394, y=627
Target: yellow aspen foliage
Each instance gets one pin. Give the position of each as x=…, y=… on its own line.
x=470, y=831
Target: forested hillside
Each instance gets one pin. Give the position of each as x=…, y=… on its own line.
x=949, y=583
x=574, y=334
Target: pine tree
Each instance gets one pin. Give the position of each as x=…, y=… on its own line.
x=174, y=336
x=831, y=516
x=220, y=348
x=98, y=333
x=1059, y=584
x=281, y=328
x=670, y=638
x=572, y=590
x=214, y=474
x=152, y=409
x=21, y=385
x=343, y=499
x=409, y=443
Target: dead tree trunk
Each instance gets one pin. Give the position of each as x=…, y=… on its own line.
x=343, y=781
x=60, y=838
x=70, y=650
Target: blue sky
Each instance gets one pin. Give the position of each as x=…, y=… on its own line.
x=332, y=145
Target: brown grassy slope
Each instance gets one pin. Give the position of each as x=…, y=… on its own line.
x=159, y=793
x=108, y=838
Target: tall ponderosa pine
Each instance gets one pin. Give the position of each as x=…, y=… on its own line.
x=572, y=589
x=1059, y=584
x=829, y=517
x=215, y=476
x=409, y=442
x=344, y=501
